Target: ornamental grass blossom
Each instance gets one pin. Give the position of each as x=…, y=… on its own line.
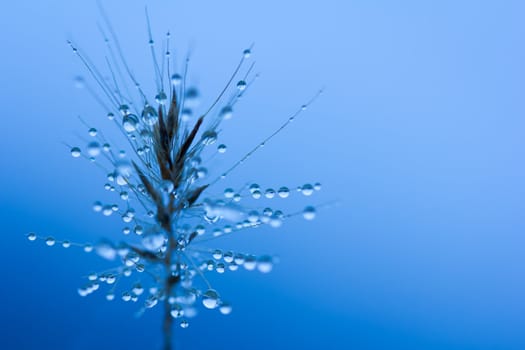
x=162, y=188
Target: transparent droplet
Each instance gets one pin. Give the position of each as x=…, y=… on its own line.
x=107, y=210
x=31, y=236
x=123, y=168
x=217, y=254
x=254, y=187
x=269, y=193
x=50, y=241
x=176, y=79
x=93, y=149
x=256, y=194
x=309, y=213
x=176, y=311
x=307, y=189
x=221, y=148
x=241, y=85
x=149, y=115
x=226, y=112
x=209, y=137
x=210, y=299
x=130, y=122
x=106, y=250
x=126, y=296
x=184, y=324
x=153, y=241
x=229, y=192
x=247, y=53
x=225, y=309
x=283, y=192
x=66, y=244
x=161, y=98
x=92, y=132
x=124, y=109
x=75, y=152
x=265, y=264
x=137, y=289
x=317, y=186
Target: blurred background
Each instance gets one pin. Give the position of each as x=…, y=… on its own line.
x=418, y=136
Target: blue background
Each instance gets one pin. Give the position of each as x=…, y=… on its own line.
x=419, y=135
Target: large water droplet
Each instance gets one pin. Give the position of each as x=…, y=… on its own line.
x=210, y=299
x=225, y=309
x=226, y=113
x=176, y=79
x=75, y=152
x=149, y=115
x=153, y=240
x=265, y=264
x=283, y=192
x=130, y=122
x=309, y=213
x=93, y=149
x=209, y=137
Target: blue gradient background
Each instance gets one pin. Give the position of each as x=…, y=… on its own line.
x=419, y=135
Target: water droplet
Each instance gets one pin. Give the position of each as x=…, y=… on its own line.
x=250, y=263
x=217, y=254
x=254, y=187
x=126, y=296
x=229, y=192
x=66, y=244
x=265, y=264
x=92, y=132
x=176, y=311
x=124, y=109
x=75, y=152
x=149, y=115
x=161, y=98
x=106, y=250
x=225, y=309
x=137, y=289
x=309, y=213
x=247, y=53
x=88, y=248
x=228, y=257
x=307, y=189
x=110, y=296
x=209, y=137
x=222, y=148
x=283, y=192
x=220, y=268
x=184, y=324
x=176, y=79
x=153, y=241
x=241, y=85
x=210, y=299
x=107, y=210
x=226, y=112
x=123, y=168
x=31, y=236
x=269, y=193
x=93, y=149
x=130, y=122
x=50, y=241
x=256, y=194
x=79, y=82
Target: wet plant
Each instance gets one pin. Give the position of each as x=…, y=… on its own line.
x=163, y=189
